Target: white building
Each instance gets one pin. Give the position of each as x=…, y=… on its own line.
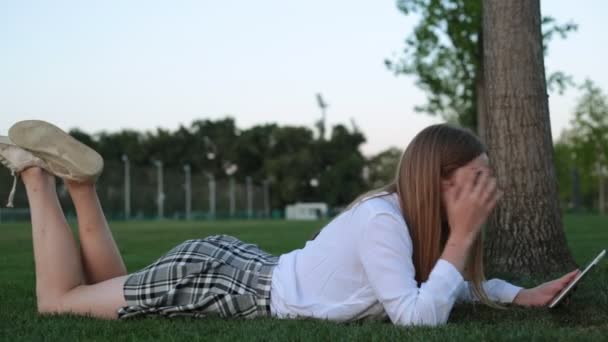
x=306, y=211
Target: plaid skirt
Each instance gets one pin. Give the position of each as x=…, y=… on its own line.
x=219, y=275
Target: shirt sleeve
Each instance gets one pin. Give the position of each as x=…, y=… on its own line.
x=497, y=290
x=385, y=251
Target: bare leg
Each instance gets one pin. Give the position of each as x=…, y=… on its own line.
x=59, y=274
x=100, y=256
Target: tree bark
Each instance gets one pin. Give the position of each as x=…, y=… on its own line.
x=480, y=104
x=525, y=233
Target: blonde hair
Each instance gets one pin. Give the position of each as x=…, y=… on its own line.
x=434, y=154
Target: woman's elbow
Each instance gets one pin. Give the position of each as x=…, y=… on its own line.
x=421, y=313
x=426, y=321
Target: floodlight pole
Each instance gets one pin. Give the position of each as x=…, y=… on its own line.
x=211, y=181
x=249, y=197
x=127, y=175
x=232, y=197
x=211, y=148
x=188, y=191
x=321, y=123
x=160, y=199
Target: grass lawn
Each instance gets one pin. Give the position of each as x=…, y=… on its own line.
x=585, y=318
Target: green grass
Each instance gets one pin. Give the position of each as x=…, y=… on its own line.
x=584, y=319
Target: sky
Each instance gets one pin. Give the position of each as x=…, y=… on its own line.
x=110, y=65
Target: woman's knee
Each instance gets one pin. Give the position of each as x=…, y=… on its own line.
x=46, y=306
x=76, y=306
x=54, y=303
x=100, y=300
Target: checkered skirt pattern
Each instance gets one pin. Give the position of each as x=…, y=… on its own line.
x=219, y=275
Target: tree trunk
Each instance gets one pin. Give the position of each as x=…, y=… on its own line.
x=525, y=233
x=480, y=104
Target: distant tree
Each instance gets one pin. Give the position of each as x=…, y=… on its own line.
x=565, y=169
x=341, y=166
x=167, y=146
x=590, y=136
x=525, y=232
x=254, y=147
x=382, y=167
x=299, y=166
x=84, y=137
x=125, y=142
x=291, y=165
x=218, y=137
x=576, y=173
x=444, y=52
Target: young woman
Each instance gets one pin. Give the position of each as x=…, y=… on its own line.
x=402, y=252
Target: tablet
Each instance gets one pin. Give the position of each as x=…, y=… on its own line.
x=570, y=286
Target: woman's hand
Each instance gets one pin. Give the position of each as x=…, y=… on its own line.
x=470, y=201
x=543, y=294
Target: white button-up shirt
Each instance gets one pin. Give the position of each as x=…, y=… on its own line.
x=360, y=266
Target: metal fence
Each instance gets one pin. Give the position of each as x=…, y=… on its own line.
x=155, y=192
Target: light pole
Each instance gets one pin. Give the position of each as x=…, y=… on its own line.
x=160, y=194
x=249, y=197
x=127, y=175
x=211, y=148
x=230, y=171
x=188, y=191
x=365, y=173
x=211, y=181
x=232, y=197
x=211, y=153
x=321, y=123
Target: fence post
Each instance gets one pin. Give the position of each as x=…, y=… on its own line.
x=212, y=195
x=232, y=197
x=231, y=169
x=127, y=175
x=160, y=194
x=188, y=191
x=249, y=197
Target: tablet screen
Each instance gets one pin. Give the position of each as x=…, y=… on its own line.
x=567, y=289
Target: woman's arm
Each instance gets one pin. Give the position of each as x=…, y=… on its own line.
x=497, y=290
x=385, y=251
x=501, y=291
